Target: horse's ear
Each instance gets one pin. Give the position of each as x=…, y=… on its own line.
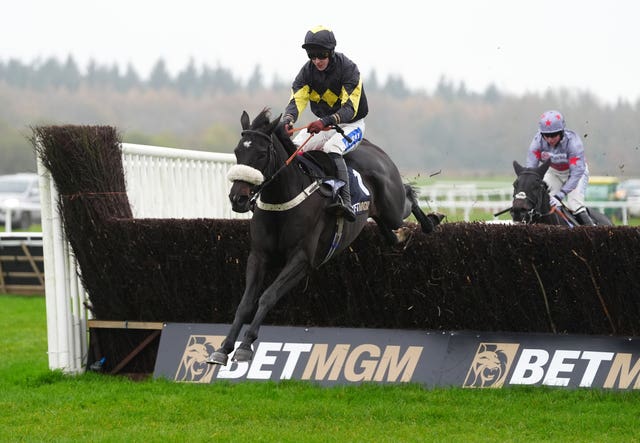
x=244, y=120
x=542, y=170
x=517, y=167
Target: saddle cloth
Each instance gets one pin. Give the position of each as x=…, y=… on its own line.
x=319, y=165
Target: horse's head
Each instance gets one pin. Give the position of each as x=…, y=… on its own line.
x=256, y=159
x=530, y=194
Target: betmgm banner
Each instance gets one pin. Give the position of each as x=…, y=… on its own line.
x=330, y=356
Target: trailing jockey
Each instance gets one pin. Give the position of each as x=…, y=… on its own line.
x=568, y=174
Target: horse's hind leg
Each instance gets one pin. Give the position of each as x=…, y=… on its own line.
x=253, y=281
x=428, y=222
x=390, y=221
x=387, y=233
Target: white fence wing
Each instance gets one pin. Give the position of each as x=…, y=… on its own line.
x=161, y=183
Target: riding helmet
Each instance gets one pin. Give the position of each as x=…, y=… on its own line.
x=319, y=37
x=550, y=122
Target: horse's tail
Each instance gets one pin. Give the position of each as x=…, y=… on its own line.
x=411, y=193
x=428, y=222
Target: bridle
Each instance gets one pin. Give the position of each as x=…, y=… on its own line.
x=535, y=200
x=269, y=164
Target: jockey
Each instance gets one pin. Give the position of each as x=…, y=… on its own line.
x=331, y=82
x=568, y=174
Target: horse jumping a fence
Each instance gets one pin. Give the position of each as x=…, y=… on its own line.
x=531, y=201
x=291, y=228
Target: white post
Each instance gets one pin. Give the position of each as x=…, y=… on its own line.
x=7, y=220
x=48, y=205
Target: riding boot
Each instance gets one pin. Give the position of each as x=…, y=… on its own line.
x=343, y=205
x=584, y=218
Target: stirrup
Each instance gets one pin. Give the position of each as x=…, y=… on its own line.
x=339, y=208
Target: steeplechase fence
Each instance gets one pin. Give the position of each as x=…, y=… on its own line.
x=176, y=184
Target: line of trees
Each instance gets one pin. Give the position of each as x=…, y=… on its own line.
x=192, y=80
x=449, y=129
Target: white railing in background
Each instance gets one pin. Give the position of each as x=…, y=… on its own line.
x=494, y=206
x=10, y=207
x=177, y=183
x=161, y=183
x=468, y=197
x=464, y=191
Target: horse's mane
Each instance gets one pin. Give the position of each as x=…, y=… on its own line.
x=263, y=121
x=285, y=139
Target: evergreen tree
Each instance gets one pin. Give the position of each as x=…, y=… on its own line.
x=396, y=88
x=372, y=84
x=130, y=80
x=18, y=74
x=159, y=78
x=98, y=76
x=277, y=83
x=444, y=89
x=491, y=94
x=254, y=83
x=48, y=75
x=219, y=79
x=187, y=80
x=70, y=74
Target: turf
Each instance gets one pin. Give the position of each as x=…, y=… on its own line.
x=39, y=405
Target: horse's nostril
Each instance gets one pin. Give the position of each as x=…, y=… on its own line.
x=238, y=198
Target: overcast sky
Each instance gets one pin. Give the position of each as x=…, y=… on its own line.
x=519, y=46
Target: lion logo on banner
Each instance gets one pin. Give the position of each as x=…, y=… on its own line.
x=193, y=366
x=490, y=365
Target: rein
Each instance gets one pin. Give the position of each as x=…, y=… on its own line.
x=271, y=149
x=562, y=216
x=271, y=153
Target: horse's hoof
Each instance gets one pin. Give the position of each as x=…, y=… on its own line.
x=436, y=218
x=243, y=354
x=218, y=358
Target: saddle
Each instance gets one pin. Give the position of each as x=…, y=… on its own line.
x=318, y=165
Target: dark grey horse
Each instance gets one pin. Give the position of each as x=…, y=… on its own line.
x=290, y=227
x=531, y=200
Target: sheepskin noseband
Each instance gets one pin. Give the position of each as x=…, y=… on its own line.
x=246, y=174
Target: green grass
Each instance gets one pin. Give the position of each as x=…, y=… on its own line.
x=39, y=405
x=32, y=228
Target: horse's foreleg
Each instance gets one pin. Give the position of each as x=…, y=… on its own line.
x=253, y=281
x=295, y=269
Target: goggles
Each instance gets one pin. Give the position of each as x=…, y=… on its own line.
x=319, y=55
